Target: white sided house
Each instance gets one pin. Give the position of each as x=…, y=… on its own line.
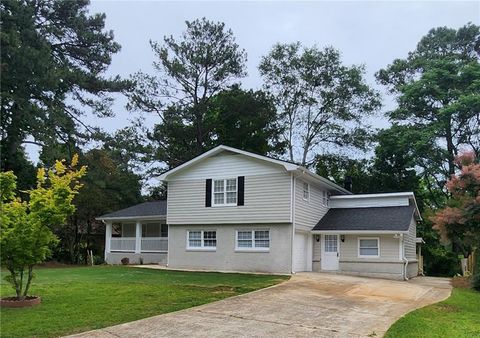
x=231, y=210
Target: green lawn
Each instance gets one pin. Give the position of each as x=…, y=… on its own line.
x=458, y=316
x=84, y=298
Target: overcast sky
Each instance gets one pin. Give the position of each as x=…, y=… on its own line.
x=370, y=33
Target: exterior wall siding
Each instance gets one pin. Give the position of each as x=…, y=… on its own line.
x=389, y=249
x=308, y=212
x=390, y=270
x=225, y=258
x=267, y=200
x=148, y=258
x=365, y=202
x=410, y=245
x=227, y=163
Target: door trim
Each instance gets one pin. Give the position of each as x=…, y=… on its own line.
x=322, y=243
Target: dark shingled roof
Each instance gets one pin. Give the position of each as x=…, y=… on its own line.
x=154, y=208
x=367, y=219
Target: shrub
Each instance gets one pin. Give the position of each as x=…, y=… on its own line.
x=476, y=281
x=125, y=261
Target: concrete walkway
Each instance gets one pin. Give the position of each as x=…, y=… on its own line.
x=308, y=305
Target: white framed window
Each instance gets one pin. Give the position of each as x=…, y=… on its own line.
x=252, y=240
x=368, y=247
x=202, y=240
x=224, y=192
x=325, y=198
x=306, y=191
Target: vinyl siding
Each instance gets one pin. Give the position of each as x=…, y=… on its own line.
x=389, y=249
x=267, y=200
x=227, y=165
x=410, y=241
x=365, y=202
x=308, y=213
x=225, y=258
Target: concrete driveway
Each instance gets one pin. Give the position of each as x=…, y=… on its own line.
x=308, y=305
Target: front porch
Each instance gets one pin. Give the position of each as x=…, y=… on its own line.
x=141, y=242
x=139, y=233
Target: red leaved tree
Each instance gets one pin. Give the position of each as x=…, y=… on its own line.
x=459, y=221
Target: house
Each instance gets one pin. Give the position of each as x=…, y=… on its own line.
x=232, y=210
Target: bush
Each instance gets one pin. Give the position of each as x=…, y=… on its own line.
x=125, y=261
x=476, y=281
x=97, y=260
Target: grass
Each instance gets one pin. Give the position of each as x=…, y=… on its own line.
x=458, y=316
x=85, y=298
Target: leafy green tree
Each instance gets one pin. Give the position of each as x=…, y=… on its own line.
x=26, y=235
x=320, y=101
x=54, y=55
x=437, y=92
x=191, y=70
x=338, y=168
x=245, y=120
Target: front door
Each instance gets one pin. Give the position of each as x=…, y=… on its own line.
x=330, y=252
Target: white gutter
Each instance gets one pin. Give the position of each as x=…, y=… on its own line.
x=360, y=232
x=128, y=218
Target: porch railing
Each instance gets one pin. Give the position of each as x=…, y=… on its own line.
x=154, y=244
x=126, y=244
x=147, y=244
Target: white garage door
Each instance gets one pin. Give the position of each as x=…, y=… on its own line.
x=300, y=250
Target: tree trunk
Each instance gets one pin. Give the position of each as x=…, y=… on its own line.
x=450, y=148
x=29, y=281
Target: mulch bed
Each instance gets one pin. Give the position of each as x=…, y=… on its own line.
x=13, y=302
x=461, y=282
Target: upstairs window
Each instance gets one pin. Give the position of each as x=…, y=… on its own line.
x=225, y=191
x=325, y=197
x=306, y=191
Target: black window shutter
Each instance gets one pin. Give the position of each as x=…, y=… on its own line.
x=241, y=190
x=208, y=193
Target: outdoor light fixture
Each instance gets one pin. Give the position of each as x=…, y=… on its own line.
x=342, y=238
x=317, y=238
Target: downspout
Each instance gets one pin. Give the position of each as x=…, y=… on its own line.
x=405, y=260
x=292, y=215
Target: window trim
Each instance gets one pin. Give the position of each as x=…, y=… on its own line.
x=253, y=248
x=368, y=256
x=224, y=204
x=325, y=198
x=308, y=191
x=202, y=246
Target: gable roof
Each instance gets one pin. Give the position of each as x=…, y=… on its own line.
x=146, y=210
x=373, y=219
x=288, y=166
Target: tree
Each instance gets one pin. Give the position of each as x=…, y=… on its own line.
x=245, y=120
x=26, y=233
x=192, y=69
x=53, y=57
x=320, y=101
x=438, y=102
x=459, y=220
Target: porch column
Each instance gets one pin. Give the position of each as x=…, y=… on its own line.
x=108, y=236
x=138, y=237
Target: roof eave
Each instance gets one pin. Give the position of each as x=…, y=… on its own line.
x=359, y=232
x=130, y=218
x=324, y=181
x=286, y=165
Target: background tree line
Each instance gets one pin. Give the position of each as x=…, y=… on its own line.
x=312, y=109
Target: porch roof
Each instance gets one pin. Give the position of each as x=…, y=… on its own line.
x=371, y=219
x=147, y=210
